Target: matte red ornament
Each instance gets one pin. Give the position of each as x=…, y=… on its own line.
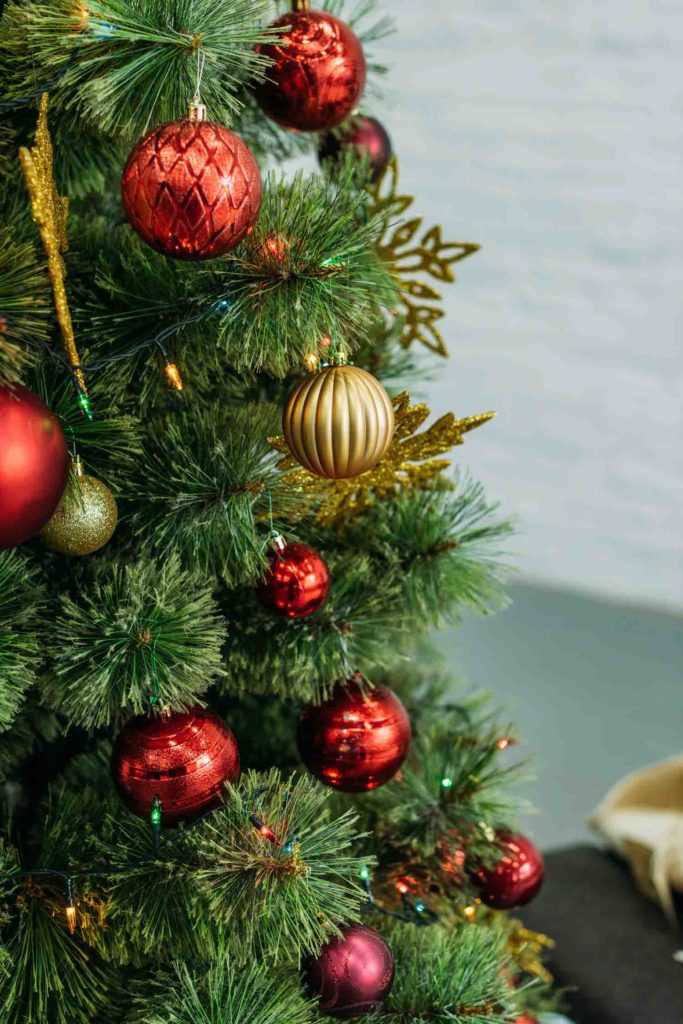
x=183, y=758
x=318, y=72
x=296, y=582
x=364, y=136
x=352, y=975
x=516, y=878
x=34, y=464
x=354, y=741
x=191, y=189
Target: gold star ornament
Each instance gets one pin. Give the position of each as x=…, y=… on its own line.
x=411, y=462
x=413, y=254
x=50, y=212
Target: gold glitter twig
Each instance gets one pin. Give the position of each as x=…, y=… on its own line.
x=50, y=211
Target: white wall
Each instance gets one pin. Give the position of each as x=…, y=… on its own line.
x=551, y=133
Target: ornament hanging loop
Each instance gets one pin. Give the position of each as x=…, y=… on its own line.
x=197, y=111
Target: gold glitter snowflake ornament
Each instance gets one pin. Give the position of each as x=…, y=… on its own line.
x=410, y=463
x=411, y=257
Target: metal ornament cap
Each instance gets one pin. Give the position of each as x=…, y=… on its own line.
x=338, y=422
x=352, y=975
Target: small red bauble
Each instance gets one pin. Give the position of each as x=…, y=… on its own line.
x=516, y=878
x=34, y=464
x=354, y=741
x=318, y=72
x=364, y=136
x=183, y=759
x=191, y=189
x=352, y=975
x=296, y=583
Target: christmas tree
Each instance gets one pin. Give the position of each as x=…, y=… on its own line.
x=237, y=786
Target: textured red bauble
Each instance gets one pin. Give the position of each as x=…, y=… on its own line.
x=365, y=137
x=296, y=582
x=182, y=758
x=352, y=975
x=318, y=72
x=517, y=876
x=34, y=464
x=354, y=741
x=191, y=189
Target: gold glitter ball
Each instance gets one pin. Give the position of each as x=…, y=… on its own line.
x=85, y=518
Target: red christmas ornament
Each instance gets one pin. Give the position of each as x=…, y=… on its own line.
x=364, y=136
x=181, y=758
x=354, y=741
x=516, y=878
x=296, y=583
x=352, y=975
x=191, y=188
x=34, y=464
x=526, y=1019
x=318, y=72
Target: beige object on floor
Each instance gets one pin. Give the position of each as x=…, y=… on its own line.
x=642, y=817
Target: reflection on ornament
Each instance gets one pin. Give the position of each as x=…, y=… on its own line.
x=191, y=188
x=296, y=583
x=34, y=464
x=184, y=759
x=317, y=71
x=352, y=975
x=357, y=739
x=515, y=878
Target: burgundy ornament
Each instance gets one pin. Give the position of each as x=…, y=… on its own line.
x=516, y=878
x=191, y=189
x=354, y=741
x=296, y=582
x=364, y=136
x=352, y=975
x=183, y=758
x=318, y=72
x=34, y=464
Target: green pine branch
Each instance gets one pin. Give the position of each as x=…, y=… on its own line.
x=21, y=600
x=135, y=65
x=134, y=635
x=25, y=308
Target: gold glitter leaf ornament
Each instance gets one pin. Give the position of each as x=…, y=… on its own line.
x=50, y=212
x=410, y=463
x=412, y=255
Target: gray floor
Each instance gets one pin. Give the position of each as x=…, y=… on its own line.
x=594, y=688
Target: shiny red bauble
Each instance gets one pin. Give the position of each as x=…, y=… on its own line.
x=517, y=876
x=318, y=72
x=34, y=464
x=365, y=137
x=296, y=582
x=183, y=759
x=354, y=741
x=352, y=975
x=191, y=189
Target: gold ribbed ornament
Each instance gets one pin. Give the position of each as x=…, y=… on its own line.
x=339, y=422
x=85, y=518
